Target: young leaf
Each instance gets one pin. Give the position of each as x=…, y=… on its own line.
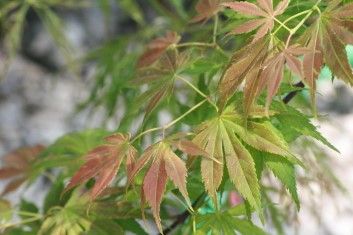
x=244, y=63
x=272, y=75
x=267, y=12
x=18, y=164
x=326, y=39
x=223, y=137
x=165, y=164
x=161, y=78
x=105, y=160
x=206, y=9
x=156, y=48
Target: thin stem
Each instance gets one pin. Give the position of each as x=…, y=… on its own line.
x=215, y=29
x=202, y=44
x=169, y=124
x=185, y=114
x=198, y=91
x=220, y=50
x=191, y=85
x=181, y=202
x=21, y=222
x=289, y=19
x=281, y=24
x=145, y=132
x=294, y=30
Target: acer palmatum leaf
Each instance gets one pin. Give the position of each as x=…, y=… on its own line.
x=247, y=61
x=329, y=33
x=223, y=138
x=105, y=161
x=267, y=12
x=18, y=164
x=164, y=164
x=160, y=77
x=156, y=49
x=205, y=9
x=272, y=75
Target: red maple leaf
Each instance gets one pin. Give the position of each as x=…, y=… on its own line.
x=105, y=160
x=18, y=165
x=206, y=9
x=156, y=49
x=266, y=11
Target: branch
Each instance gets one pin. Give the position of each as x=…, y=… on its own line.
x=291, y=95
x=182, y=217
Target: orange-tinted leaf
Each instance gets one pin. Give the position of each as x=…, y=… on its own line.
x=247, y=60
x=206, y=9
x=266, y=23
x=156, y=49
x=328, y=34
x=104, y=160
x=18, y=165
x=164, y=164
x=245, y=8
x=154, y=184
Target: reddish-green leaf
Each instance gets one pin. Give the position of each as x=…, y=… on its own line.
x=161, y=78
x=245, y=63
x=18, y=165
x=223, y=138
x=267, y=12
x=164, y=164
x=105, y=160
x=206, y=9
x=156, y=49
x=328, y=34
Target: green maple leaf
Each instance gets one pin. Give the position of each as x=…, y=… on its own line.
x=225, y=223
x=223, y=138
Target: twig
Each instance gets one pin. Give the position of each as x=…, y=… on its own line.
x=291, y=95
x=182, y=217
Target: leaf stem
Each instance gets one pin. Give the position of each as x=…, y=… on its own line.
x=169, y=124
x=198, y=91
x=203, y=44
x=22, y=222
x=215, y=29
x=294, y=30
x=281, y=24
x=185, y=114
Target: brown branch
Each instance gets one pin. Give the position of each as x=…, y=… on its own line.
x=292, y=94
x=182, y=217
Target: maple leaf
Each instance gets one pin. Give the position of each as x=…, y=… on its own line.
x=225, y=223
x=105, y=160
x=156, y=49
x=223, y=138
x=72, y=218
x=245, y=63
x=267, y=12
x=206, y=9
x=272, y=74
x=18, y=164
x=165, y=164
x=161, y=78
x=328, y=34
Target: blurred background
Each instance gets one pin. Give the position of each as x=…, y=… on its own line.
x=68, y=47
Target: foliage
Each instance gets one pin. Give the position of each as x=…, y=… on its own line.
x=230, y=125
